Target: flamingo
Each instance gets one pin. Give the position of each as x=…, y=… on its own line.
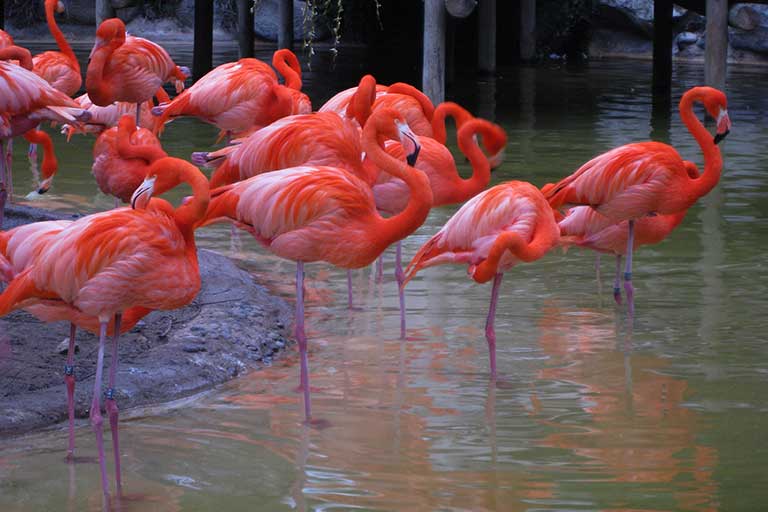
x=648, y=178
x=60, y=69
x=103, y=118
x=583, y=226
x=110, y=262
x=6, y=39
x=17, y=249
x=322, y=213
x=359, y=102
x=127, y=68
x=25, y=100
x=121, y=157
x=238, y=98
x=492, y=232
x=448, y=187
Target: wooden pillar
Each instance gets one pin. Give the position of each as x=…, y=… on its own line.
x=662, y=47
x=285, y=30
x=433, y=69
x=245, y=28
x=716, y=50
x=486, y=31
x=2, y=14
x=104, y=11
x=527, y=29
x=202, y=56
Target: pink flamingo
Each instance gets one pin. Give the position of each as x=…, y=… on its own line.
x=107, y=263
x=127, y=68
x=238, y=98
x=60, y=69
x=648, y=178
x=322, y=213
x=492, y=232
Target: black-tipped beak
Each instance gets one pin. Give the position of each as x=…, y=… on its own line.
x=42, y=191
x=720, y=136
x=411, y=159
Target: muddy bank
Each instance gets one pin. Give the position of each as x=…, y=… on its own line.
x=232, y=326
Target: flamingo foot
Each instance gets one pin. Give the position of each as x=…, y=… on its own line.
x=113, y=413
x=69, y=380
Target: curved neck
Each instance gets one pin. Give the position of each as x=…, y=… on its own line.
x=426, y=104
x=286, y=63
x=147, y=152
x=17, y=53
x=58, y=35
x=283, y=105
x=510, y=241
x=98, y=89
x=481, y=167
x=360, y=105
x=420, y=199
x=443, y=111
x=713, y=160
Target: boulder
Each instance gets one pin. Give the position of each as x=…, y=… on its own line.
x=634, y=16
x=685, y=39
x=266, y=19
x=460, y=8
x=748, y=16
x=755, y=40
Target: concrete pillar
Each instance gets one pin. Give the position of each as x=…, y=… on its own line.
x=104, y=11
x=527, y=29
x=433, y=70
x=285, y=29
x=245, y=28
x=716, y=50
x=486, y=30
x=202, y=56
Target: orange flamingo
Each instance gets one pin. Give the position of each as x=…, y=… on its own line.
x=107, y=117
x=648, y=178
x=492, y=232
x=127, y=68
x=448, y=187
x=359, y=102
x=238, y=98
x=107, y=263
x=60, y=69
x=25, y=101
x=17, y=249
x=321, y=213
x=121, y=157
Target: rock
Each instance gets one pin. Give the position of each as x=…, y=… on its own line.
x=685, y=39
x=631, y=15
x=690, y=21
x=460, y=8
x=748, y=16
x=755, y=40
x=82, y=12
x=266, y=19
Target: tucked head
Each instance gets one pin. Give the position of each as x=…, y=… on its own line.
x=110, y=30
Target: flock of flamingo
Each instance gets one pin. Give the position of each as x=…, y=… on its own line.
x=339, y=185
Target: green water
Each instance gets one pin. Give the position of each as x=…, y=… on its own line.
x=593, y=411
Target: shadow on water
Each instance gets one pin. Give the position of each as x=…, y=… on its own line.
x=590, y=413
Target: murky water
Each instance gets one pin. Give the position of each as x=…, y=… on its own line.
x=592, y=411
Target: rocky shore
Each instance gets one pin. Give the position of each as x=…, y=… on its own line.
x=234, y=325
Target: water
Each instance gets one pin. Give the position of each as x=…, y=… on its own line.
x=592, y=411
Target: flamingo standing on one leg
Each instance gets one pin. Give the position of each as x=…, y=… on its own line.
x=648, y=178
x=127, y=68
x=320, y=213
x=121, y=157
x=492, y=232
x=448, y=187
x=107, y=263
x=237, y=97
x=25, y=101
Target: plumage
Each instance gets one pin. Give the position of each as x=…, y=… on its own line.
x=60, y=69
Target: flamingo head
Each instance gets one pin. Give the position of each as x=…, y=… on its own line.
x=45, y=185
x=59, y=7
x=717, y=107
x=142, y=195
x=409, y=141
x=111, y=32
x=723, y=125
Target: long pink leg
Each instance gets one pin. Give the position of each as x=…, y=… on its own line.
x=111, y=405
x=628, y=269
x=301, y=338
x=490, y=331
x=400, y=277
x=617, y=281
x=8, y=167
x=69, y=379
x=349, y=289
x=3, y=186
x=138, y=114
x=97, y=422
x=380, y=268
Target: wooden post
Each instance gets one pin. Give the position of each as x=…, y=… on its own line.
x=527, y=29
x=662, y=47
x=285, y=30
x=716, y=50
x=104, y=11
x=486, y=30
x=433, y=69
x=202, y=54
x=245, y=27
x=2, y=14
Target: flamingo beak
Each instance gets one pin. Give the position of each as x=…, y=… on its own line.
x=140, y=198
x=723, y=126
x=409, y=141
x=45, y=185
